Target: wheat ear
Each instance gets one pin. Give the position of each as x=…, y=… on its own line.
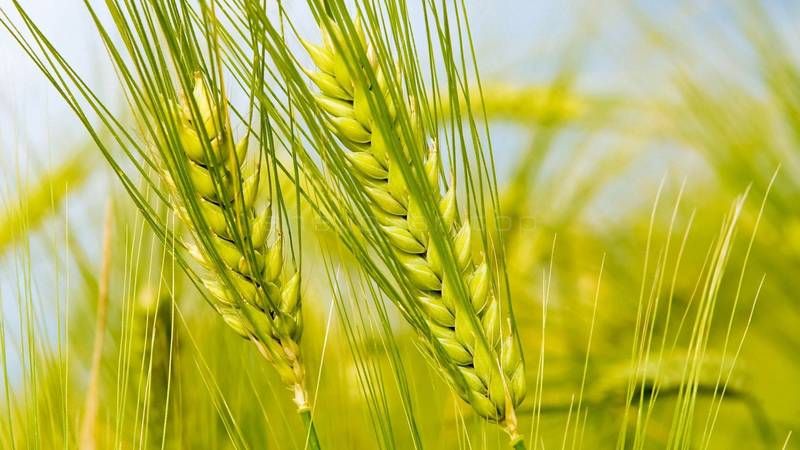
x=493, y=374
x=257, y=295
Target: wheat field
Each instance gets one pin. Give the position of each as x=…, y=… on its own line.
x=366, y=224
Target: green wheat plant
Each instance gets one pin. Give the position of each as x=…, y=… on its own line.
x=255, y=269
x=383, y=195
x=184, y=140
x=317, y=218
x=384, y=157
x=469, y=333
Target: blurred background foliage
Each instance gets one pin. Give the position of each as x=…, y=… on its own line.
x=650, y=174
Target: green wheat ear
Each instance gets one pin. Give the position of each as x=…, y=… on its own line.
x=493, y=374
x=257, y=295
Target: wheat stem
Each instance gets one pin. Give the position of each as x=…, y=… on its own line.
x=312, y=441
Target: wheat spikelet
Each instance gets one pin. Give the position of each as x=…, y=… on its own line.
x=492, y=375
x=262, y=305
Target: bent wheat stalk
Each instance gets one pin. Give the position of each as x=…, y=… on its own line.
x=488, y=361
x=189, y=143
x=255, y=292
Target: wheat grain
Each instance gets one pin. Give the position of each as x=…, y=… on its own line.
x=261, y=304
x=493, y=374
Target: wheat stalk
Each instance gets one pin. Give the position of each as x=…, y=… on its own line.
x=255, y=292
x=469, y=332
x=190, y=144
x=88, y=437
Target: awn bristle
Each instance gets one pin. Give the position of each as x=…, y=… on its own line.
x=262, y=305
x=493, y=374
